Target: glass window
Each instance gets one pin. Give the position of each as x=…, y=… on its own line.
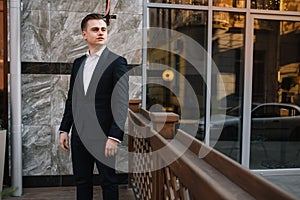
x=283, y=5
x=266, y=111
x=190, y=2
x=230, y=3
x=227, y=82
x=275, y=124
x=177, y=62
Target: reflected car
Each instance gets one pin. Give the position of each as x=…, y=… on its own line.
x=269, y=121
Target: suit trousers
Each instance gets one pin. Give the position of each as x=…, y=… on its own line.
x=83, y=167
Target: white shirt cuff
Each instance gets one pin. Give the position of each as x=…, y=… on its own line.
x=115, y=139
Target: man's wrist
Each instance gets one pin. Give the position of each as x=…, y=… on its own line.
x=60, y=132
x=114, y=139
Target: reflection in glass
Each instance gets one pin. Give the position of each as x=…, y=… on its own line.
x=283, y=5
x=275, y=127
x=190, y=2
x=230, y=3
x=228, y=51
x=163, y=85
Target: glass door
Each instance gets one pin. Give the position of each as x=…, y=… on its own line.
x=275, y=108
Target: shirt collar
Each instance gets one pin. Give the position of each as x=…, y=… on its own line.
x=98, y=53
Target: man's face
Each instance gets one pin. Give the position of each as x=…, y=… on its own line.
x=95, y=33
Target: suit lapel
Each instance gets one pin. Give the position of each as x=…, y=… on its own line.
x=79, y=86
x=98, y=72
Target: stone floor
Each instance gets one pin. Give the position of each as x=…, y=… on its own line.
x=66, y=193
x=289, y=183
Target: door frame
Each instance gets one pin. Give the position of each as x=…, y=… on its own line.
x=249, y=47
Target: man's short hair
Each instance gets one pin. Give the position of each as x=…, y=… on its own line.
x=89, y=17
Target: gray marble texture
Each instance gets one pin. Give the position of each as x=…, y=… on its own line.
x=51, y=29
x=43, y=99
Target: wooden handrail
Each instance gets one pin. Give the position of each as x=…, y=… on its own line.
x=198, y=172
x=258, y=188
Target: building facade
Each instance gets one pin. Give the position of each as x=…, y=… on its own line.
x=230, y=68
x=246, y=80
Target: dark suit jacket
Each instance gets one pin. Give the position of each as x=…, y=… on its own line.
x=107, y=95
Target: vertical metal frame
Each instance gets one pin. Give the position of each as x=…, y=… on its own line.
x=16, y=98
x=144, y=53
x=208, y=73
x=247, y=99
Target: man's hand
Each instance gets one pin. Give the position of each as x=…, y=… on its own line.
x=111, y=147
x=64, y=141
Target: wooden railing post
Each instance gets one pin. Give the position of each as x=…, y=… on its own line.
x=158, y=183
x=134, y=104
x=164, y=123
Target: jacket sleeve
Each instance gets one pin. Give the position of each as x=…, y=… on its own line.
x=120, y=98
x=67, y=119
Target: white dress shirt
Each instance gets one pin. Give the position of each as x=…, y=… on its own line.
x=89, y=67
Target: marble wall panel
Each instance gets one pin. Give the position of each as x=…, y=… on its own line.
x=63, y=5
x=129, y=7
x=36, y=99
x=43, y=99
x=35, y=34
x=66, y=40
x=79, y=5
x=36, y=155
x=51, y=29
x=125, y=37
x=35, y=5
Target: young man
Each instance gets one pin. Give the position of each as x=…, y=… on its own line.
x=97, y=97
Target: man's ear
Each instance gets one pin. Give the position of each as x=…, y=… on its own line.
x=83, y=33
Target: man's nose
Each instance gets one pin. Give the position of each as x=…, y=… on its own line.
x=101, y=32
